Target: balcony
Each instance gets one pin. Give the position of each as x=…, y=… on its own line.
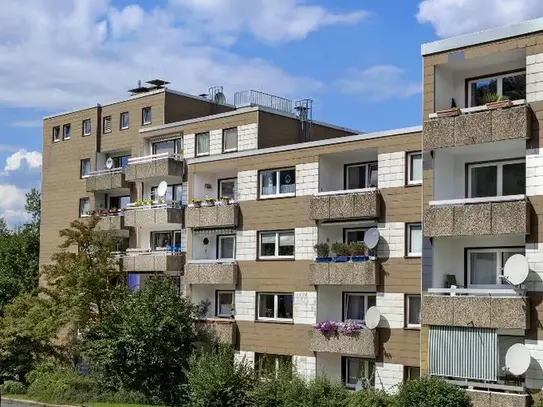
x=146, y=261
x=155, y=166
x=223, y=331
x=150, y=214
x=348, y=204
x=348, y=273
x=508, y=215
x=363, y=343
x=494, y=399
x=203, y=272
x=223, y=216
x=106, y=180
x=471, y=307
x=111, y=223
x=477, y=125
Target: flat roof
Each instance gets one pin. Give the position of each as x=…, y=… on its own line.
x=481, y=37
x=307, y=144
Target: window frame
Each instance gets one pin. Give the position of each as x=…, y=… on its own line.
x=499, y=83
x=277, y=234
x=408, y=239
x=217, y=304
x=366, y=164
x=277, y=362
x=499, y=267
x=81, y=200
x=172, y=234
x=229, y=150
x=143, y=110
x=175, y=188
x=407, y=372
x=345, y=296
x=219, y=186
x=219, y=251
x=69, y=132
x=408, y=307
x=368, y=363
x=85, y=160
x=104, y=128
x=499, y=178
x=278, y=186
x=58, y=136
x=177, y=145
x=275, y=317
x=409, y=167
x=83, y=124
x=196, y=137
x=124, y=114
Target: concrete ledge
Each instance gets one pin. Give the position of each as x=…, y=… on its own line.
x=481, y=398
x=212, y=216
x=363, y=343
x=140, y=217
x=143, y=263
x=211, y=273
x=356, y=273
x=105, y=182
x=345, y=206
x=152, y=169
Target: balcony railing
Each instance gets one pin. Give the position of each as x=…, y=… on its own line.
x=363, y=343
x=156, y=165
x=149, y=213
x=344, y=273
x=111, y=223
x=482, y=398
x=104, y=180
x=212, y=216
x=202, y=272
x=345, y=204
x=220, y=330
x=141, y=261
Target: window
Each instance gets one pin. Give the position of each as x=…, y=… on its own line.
x=413, y=311
x=230, y=140
x=174, y=146
x=266, y=364
x=86, y=127
x=227, y=187
x=119, y=202
x=56, y=134
x=106, y=126
x=163, y=240
x=276, y=245
x=275, y=307
x=125, y=120
x=355, y=369
x=84, y=207
x=355, y=305
x=85, y=167
x=202, y=144
x=414, y=168
x=146, y=116
x=278, y=183
x=121, y=161
x=225, y=303
x=484, y=90
x=411, y=372
x=227, y=247
x=174, y=193
x=67, y=131
x=357, y=235
x=360, y=176
x=414, y=240
x=485, y=266
x=497, y=179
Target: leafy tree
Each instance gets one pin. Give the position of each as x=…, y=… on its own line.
x=143, y=342
x=370, y=398
x=33, y=207
x=430, y=392
x=4, y=230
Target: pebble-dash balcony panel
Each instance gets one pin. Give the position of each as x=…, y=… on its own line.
x=482, y=398
x=160, y=262
x=476, y=128
x=168, y=167
x=212, y=216
x=110, y=223
x=476, y=311
x=363, y=343
x=211, y=273
x=221, y=331
x=345, y=206
x=153, y=216
x=484, y=219
x=106, y=182
x=355, y=273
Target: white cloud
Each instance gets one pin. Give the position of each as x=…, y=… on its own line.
x=15, y=161
x=74, y=53
x=378, y=83
x=12, y=204
x=27, y=123
x=456, y=17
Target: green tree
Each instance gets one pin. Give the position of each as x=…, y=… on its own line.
x=33, y=207
x=4, y=230
x=430, y=392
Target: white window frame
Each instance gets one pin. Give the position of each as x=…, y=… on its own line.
x=499, y=267
x=123, y=114
x=220, y=238
x=275, y=308
x=196, y=136
x=57, y=138
x=278, y=193
x=277, y=234
x=409, y=253
x=177, y=145
x=106, y=119
x=410, y=167
x=408, y=308
x=366, y=362
x=499, y=83
x=221, y=181
x=69, y=127
x=499, y=165
x=85, y=132
x=146, y=109
x=229, y=150
x=368, y=178
x=81, y=200
x=346, y=303
x=218, y=304
x=81, y=168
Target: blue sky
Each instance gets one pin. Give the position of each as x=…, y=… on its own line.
x=358, y=60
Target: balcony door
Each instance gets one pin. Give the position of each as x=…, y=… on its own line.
x=228, y=187
x=360, y=176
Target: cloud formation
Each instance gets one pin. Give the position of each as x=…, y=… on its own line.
x=12, y=204
x=18, y=160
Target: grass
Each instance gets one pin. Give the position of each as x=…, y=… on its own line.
x=89, y=404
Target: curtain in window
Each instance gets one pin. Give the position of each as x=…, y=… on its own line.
x=483, y=268
x=269, y=183
x=203, y=144
x=355, y=307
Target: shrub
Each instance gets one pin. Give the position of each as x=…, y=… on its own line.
x=13, y=387
x=322, y=249
x=431, y=392
x=370, y=398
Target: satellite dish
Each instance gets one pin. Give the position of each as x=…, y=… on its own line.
x=219, y=98
x=162, y=189
x=373, y=317
x=516, y=269
x=371, y=238
x=109, y=163
x=517, y=359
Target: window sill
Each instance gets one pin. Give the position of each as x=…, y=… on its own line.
x=289, y=258
x=234, y=150
x=106, y=132
x=67, y=138
x=86, y=135
x=412, y=328
x=289, y=195
x=202, y=155
x=56, y=141
x=414, y=184
x=125, y=128
x=146, y=123
x=275, y=321
x=85, y=176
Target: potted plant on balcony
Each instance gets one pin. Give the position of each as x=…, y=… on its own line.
x=323, y=252
x=342, y=252
x=493, y=101
x=195, y=203
x=225, y=200
x=208, y=201
x=357, y=250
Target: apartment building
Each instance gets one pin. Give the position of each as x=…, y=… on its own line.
x=482, y=204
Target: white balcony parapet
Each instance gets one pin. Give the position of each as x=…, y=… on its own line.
x=105, y=172
x=212, y=261
x=491, y=292
x=486, y=199
x=482, y=108
x=155, y=157
x=154, y=205
x=150, y=252
x=346, y=191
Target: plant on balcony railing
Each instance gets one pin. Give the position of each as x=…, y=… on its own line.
x=104, y=212
x=208, y=201
x=335, y=327
x=147, y=202
x=344, y=252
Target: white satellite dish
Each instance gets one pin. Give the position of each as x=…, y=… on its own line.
x=219, y=98
x=373, y=317
x=516, y=269
x=517, y=359
x=371, y=238
x=162, y=189
x=109, y=163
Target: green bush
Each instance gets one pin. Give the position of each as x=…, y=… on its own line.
x=430, y=392
x=370, y=398
x=13, y=387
